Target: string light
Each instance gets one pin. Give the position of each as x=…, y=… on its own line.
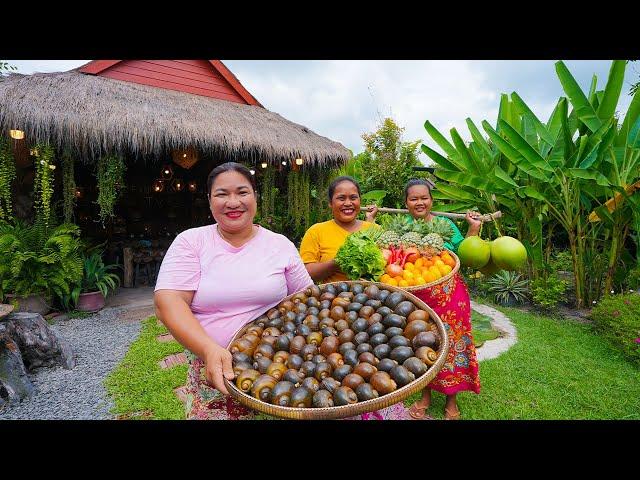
x=252, y=171
x=264, y=165
x=298, y=161
x=16, y=134
x=284, y=163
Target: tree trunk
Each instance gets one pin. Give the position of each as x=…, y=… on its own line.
x=577, y=279
x=127, y=261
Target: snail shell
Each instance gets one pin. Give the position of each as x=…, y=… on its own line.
x=281, y=356
x=242, y=345
x=239, y=367
x=322, y=399
x=246, y=378
x=276, y=370
x=427, y=355
x=262, y=386
x=301, y=398
x=281, y=393
x=255, y=329
x=344, y=396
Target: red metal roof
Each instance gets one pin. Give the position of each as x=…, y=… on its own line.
x=210, y=78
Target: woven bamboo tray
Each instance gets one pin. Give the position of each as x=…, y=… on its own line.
x=448, y=278
x=345, y=411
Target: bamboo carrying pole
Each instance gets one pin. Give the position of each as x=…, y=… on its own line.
x=488, y=217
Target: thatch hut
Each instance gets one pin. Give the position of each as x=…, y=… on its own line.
x=171, y=120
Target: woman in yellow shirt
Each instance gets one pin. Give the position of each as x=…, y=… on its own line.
x=322, y=241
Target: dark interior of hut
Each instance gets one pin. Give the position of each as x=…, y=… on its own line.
x=159, y=200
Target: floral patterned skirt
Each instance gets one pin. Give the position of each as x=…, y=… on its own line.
x=451, y=302
x=206, y=403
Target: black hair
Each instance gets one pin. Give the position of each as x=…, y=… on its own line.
x=415, y=182
x=343, y=178
x=230, y=167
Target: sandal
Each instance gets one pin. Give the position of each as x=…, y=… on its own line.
x=448, y=415
x=417, y=412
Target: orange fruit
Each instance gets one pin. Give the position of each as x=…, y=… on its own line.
x=419, y=262
x=408, y=275
x=429, y=277
x=438, y=262
x=448, y=260
x=420, y=280
x=427, y=263
x=436, y=273
x=409, y=266
x=444, y=269
x=403, y=283
x=384, y=278
x=392, y=281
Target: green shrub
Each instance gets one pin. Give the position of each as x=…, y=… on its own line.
x=561, y=261
x=633, y=278
x=617, y=319
x=546, y=293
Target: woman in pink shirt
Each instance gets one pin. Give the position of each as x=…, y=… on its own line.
x=216, y=279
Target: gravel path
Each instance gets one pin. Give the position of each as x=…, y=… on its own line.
x=99, y=342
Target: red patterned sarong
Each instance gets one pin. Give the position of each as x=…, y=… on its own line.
x=450, y=300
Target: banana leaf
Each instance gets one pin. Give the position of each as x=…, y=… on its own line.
x=469, y=162
x=439, y=159
x=588, y=175
x=466, y=179
x=582, y=107
x=478, y=138
x=442, y=142
x=511, y=153
x=542, y=131
x=557, y=119
x=630, y=118
x=612, y=90
x=525, y=149
x=633, y=139
x=455, y=193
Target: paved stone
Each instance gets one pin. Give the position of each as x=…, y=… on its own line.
x=173, y=360
x=508, y=334
x=181, y=393
x=164, y=338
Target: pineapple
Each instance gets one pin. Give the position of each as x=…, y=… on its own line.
x=399, y=224
x=387, y=238
x=437, y=225
x=433, y=244
x=412, y=239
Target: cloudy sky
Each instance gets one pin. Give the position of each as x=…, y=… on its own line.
x=342, y=99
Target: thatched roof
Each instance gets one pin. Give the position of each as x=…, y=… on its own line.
x=94, y=115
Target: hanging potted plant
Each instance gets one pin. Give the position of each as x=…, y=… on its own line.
x=97, y=281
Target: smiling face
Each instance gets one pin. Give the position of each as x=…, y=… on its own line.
x=345, y=202
x=233, y=202
x=419, y=201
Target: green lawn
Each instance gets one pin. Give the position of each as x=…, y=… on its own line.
x=558, y=370
x=138, y=384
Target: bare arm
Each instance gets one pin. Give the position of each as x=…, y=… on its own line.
x=318, y=271
x=173, y=308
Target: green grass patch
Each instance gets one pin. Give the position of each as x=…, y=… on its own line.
x=138, y=384
x=558, y=370
x=481, y=329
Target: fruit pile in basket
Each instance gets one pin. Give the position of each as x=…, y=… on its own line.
x=334, y=345
x=411, y=252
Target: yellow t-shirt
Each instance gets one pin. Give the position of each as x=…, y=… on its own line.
x=321, y=243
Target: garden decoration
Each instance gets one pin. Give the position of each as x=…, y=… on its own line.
x=337, y=350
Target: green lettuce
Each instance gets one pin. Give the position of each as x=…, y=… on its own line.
x=360, y=257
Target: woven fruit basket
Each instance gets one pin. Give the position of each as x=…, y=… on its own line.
x=442, y=282
x=360, y=407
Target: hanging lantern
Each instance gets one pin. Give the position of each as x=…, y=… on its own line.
x=158, y=185
x=177, y=185
x=192, y=186
x=166, y=172
x=79, y=193
x=264, y=165
x=185, y=157
x=252, y=171
x=16, y=134
x=284, y=164
x=298, y=161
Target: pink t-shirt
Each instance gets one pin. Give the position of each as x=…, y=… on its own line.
x=232, y=285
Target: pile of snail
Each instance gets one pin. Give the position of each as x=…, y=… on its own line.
x=333, y=345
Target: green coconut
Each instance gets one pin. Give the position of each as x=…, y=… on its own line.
x=508, y=253
x=474, y=252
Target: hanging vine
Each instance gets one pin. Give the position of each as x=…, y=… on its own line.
x=320, y=204
x=299, y=212
x=68, y=186
x=7, y=175
x=267, y=203
x=43, y=183
x=110, y=180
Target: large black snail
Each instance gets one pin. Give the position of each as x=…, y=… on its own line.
x=334, y=345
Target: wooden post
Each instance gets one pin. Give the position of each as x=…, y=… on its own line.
x=127, y=261
x=488, y=217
